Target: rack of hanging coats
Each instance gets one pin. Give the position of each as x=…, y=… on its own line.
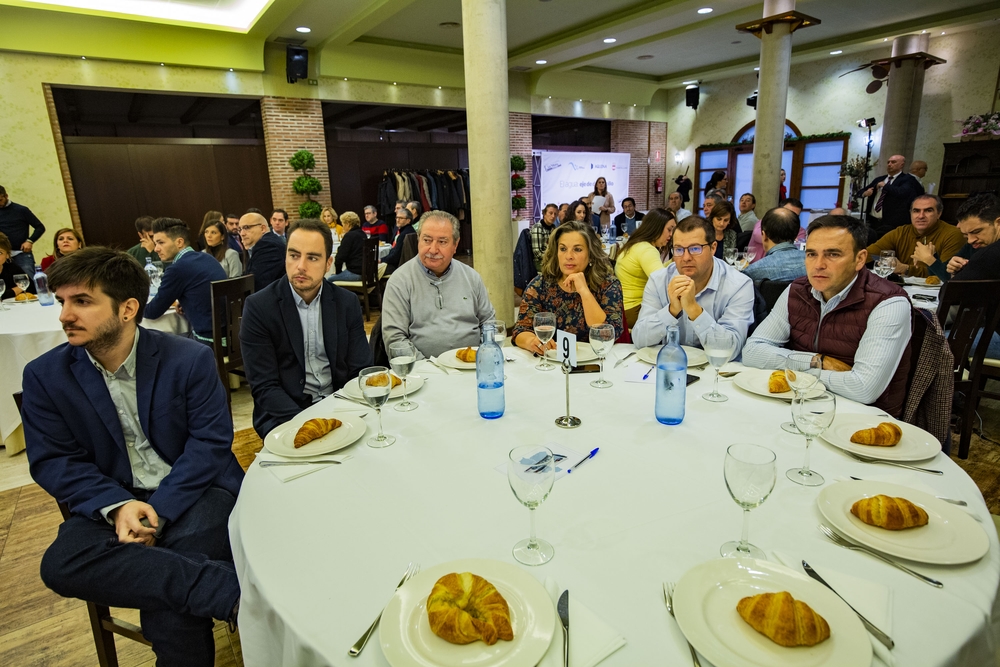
x=444, y=190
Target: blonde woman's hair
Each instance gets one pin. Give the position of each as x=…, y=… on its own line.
x=332, y=212
x=598, y=267
x=350, y=220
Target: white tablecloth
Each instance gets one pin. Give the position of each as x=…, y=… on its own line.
x=318, y=556
x=30, y=330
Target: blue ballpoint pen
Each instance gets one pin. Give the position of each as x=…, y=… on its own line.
x=591, y=455
x=648, y=372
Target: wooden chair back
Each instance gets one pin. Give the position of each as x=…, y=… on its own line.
x=228, y=298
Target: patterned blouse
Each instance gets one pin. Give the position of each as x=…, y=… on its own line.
x=545, y=296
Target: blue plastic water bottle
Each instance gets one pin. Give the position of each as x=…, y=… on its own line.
x=45, y=297
x=489, y=375
x=671, y=380
x=154, y=276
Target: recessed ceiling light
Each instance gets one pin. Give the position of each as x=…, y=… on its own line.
x=885, y=39
x=687, y=83
x=541, y=62
x=439, y=87
x=922, y=31
x=581, y=99
x=836, y=53
x=942, y=32
x=230, y=69
x=550, y=97
x=645, y=57
x=633, y=105
x=705, y=10
x=162, y=65
x=610, y=40
x=756, y=69
x=83, y=57
x=345, y=78
x=693, y=86
x=394, y=83
x=450, y=24
x=302, y=28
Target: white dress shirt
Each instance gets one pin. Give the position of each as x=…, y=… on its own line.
x=319, y=377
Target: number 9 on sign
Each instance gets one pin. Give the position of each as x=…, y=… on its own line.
x=566, y=344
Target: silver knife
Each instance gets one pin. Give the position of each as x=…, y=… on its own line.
x=345, y=397
x=878, y=634
x=563, y=608
x=271, y=464
x=625, y=358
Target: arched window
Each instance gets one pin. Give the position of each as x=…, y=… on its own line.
x=748, y=131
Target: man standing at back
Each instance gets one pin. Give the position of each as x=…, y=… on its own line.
x=265, y=251
x=15, y=220
x=188, y=279
x=279, y=224
x=436, y=303
x=889, y=197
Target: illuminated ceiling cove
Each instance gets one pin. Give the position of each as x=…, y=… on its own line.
x=237, y=15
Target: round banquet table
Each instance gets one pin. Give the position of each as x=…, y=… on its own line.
x=28, y=331
x=318, y=556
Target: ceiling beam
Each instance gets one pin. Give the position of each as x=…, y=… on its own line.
x=441, y=121
x=421, y=117
x=349, y=112
x=193, y=111
x=390, y=115
x=246, y=112
x=135, y=107
x=457, y=128
x=371, y=15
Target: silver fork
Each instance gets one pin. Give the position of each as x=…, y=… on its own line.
x=847, y=544
x=866, y=459
x=668, y=598
x=359, y=645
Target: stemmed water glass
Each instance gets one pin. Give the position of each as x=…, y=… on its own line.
x=729, y=255
x=742, y=261
x=531, y=484
x=719, y=346
x=545, y=329
x=375, y=387
x=499, y=336
x=802, y=373
x=750, y=476
x=602, y=339
x=22, y=281
x=812, y=416
x=3, y=288
x=402, y=357
x=750, y=254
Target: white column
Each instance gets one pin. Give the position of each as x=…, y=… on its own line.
x=902, y=100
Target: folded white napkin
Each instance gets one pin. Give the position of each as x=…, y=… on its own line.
x=635, y=372
x=591, y=639
x=288, y=473
x=872, y=600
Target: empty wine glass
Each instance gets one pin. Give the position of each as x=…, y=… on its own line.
x=545, y=329
x=402, y=357
x=729, y=255
x=602, y=339
x=22, y=281
x=881, y=268
x=719, y=346
x=3, y=288
x=375, y=387
x=812, y=416
x=531, y=473
x=750, y=254
x=500, y=336
x=750, y=476
x=802, y=373
x=741, y=261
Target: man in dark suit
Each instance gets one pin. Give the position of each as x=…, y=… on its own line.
x=266, y=251
x=889, y=198
x=626, y=221
x=130, y=428
x=303, y=337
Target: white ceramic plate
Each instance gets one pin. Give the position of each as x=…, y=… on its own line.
x=407, y=640
x=696, y=357
x=920, y=282
x=12, y=301
x=281, y=441
x=413, y=382
x=755, y=380
x=705, y=604
x=584, y=354
x=951, y=536
x=915, y=445
x=451, y=361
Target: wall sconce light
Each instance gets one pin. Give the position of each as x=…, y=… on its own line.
x=678, y=157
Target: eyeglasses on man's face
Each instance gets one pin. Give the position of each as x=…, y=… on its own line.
x=694, y=250
x=247, y=228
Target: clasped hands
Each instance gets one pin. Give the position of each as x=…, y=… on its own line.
x=924, y=253
x=680, y=295
x=128, y=523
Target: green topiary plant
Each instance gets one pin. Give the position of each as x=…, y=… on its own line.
x=305, y=184
x=518, y=202
x=517, y=163
x=517, y=182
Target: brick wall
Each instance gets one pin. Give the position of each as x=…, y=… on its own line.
x=519, y=130
x=642, y=139
x=292, y=125
x=74, y=211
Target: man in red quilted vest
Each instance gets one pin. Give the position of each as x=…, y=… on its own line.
x=858, y=323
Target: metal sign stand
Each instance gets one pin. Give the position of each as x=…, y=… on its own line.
x=568, y=420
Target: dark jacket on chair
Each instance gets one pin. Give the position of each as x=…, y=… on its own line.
x=266, y=261
x=273, y=349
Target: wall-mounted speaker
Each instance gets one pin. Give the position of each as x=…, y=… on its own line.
x=296, y=63
x=692, y=95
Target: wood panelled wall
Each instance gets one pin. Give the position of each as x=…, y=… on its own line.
x=117, y=180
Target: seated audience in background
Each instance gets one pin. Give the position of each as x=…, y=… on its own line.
x=540, y=233
x=404, y=227
x=329, y=217
x=626, y=221
x=706, y=207
x=413, y=206
x=351, y=252
x=8, y=269
x=782, y=190
x=718, y=185
x=214, y=238
x=67, y=240
x=578, y=211
x=602, y=213
x=303, y=337
x=782, y=259
x=641, y=257
x=265, y=252
x=756, y=245
x=926, y=237
x=373, y=227
x=748, y=215
x=857, y=323
x=577, y=283
x=676, y=204
x=130, y=428
x=144, y=248
x=258, y=212
x=233, y=227
x=722, y=219
x=434, y=302
x=209, y=217
x=698, y=292
x=563, y=210
x=979, y=220
x=188, y=279
x=279, y=224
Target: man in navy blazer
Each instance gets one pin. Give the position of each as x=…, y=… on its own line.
x=265, y=251
x=889, y=198
x=131, y=430
x=303, y=337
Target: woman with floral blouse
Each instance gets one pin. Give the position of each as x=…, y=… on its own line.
x=577, y=283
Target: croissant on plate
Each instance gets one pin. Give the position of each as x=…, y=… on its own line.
x=379, y=381
x=885, y=434
x=314, y=428
x=890, y=513
x=778, y=383
x=467, y=355
x=783, y=619
x=25, y=296
x=932, y=280
x=463, y=608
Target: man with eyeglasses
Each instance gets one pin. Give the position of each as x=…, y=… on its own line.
x=404, y=227
x=266, y=252
x=697, y=293
x=434, y=302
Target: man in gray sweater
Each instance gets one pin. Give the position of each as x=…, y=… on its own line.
x=435, y=303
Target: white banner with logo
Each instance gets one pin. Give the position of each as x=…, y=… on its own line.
x=566, y=177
